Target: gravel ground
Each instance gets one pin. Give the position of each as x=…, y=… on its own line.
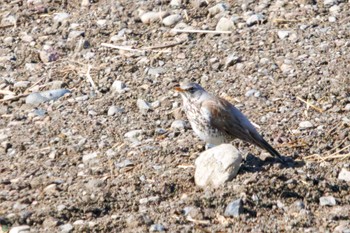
x=106, y=157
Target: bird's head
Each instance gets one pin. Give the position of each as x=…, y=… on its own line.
x=190, y=90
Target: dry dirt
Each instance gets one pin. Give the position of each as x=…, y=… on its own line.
x=288, y=71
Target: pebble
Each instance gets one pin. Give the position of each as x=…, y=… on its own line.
x=286, y=68
x=156, y=71
x=329, y=3
x=90, y=156
x=231, y=60
x=50, y=188
x=94, y=184
x=171, y=19
x=61, y=207
x=134, y=134
x=344, y=175
x=8, y=40
x=234, y=208
x=332, y=19
x=78, y=222
x=114, y=110
x=217, y=165
x=327, y=201
x=40, y=97
x=176, y=3
x=118, y=86
x=305, y=125
x=151, y=17
x=255, y=19
x=218, y=8
x=21, y=84
x=225, y=24
x=347, y=107
x=283, y=34
x=178, y=125
x=334, y=10
x=143, y=105
x=49, y=55
x=66, y=228
x=157, y=228
x=20, y=229
x=27, y=38
x=252, y=92
x=124, y=163
x=74, y=34
x=60, y=17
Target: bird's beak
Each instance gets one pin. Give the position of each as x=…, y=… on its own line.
x=178, y=88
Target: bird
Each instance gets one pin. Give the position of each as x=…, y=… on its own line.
x=216, y=121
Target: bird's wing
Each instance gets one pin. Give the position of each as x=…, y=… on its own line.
x=225, y=117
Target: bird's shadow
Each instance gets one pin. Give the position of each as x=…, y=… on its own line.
x=253, y=164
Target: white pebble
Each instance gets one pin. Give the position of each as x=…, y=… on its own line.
x=344, y=175
x=255, y=19
x=305, y=125
x=151, y=17
x=171, y=19
x=143, y=105
x=220, y=7
x=20, y=229
x=225, y=24
x=283, y=34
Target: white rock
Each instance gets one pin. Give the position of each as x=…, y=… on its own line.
x=218, y=8
x=118, y=86
x=329, y=2
x=151, y=17
x=60, y=17
x=171, y=19
x=133, y=133
x=347, y=107
x=305, y=125
x=225, y=24
x=143, y=105
x=20, y=229
x=40, y=97
x=175, y=3
x=344, y=175
x=217, y=165
x=88, y=157
x=332, y=19
x=178, y=125
x=254, y=19
x=21, y=84
x=66, y=228
x=327, y=201
x=286, y=68
x=50, y=188
x=113, y=110
x=334, y=10
x=283, y=34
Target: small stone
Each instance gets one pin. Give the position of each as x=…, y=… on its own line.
x=305, y=125
x=125, y=163
x=332, y=19
x=283, y=34
x=66, y=228
x=255, y=19
x=178, y=125
x=155, y=104
x=45, y=96
x=20, y=229
x=21, y=84
x=327, y=201
x=101, y=22
x=85, y=3
x=176, y=3
x=171, y=19
x=114, y=110
x=74, y=34
x=347, y=107
x=231, y=60
x=143, y=105
x=217, y=165
x=286, y=68
x=344, y=175
x=8, y=40
x=134, y=134
x=118, y=86
x=27, y=38
x=151, y=17
x=334, y=10
x=329, y=3
x=156, y=71
x=49, y=55
x=250, y=93
x=225, y=24
x=94, y=184
x=60, y=17
x=234, y=209
x=88, y=157
x=78, y=222
x=157, y=228
x=61, y=207
x=50, y=188
x=218, y=8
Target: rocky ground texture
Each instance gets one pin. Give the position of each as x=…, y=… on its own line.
x=116, y=153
